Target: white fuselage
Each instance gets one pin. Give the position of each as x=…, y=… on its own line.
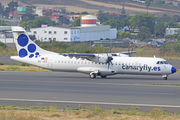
x=121, y=65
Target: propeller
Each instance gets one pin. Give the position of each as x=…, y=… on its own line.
x=109, y=60
x=129, y=51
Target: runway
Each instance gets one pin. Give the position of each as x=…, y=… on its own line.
x=61, y=89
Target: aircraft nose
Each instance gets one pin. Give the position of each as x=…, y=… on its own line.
x=173, y=70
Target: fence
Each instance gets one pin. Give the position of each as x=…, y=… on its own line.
x=7, y=40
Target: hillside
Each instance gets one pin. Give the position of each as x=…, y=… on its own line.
x=92, y=6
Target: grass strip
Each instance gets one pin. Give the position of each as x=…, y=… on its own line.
x=166, y=84
x=22, y=68
x=94, y=112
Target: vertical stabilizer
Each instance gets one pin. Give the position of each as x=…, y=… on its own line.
x=25, y=46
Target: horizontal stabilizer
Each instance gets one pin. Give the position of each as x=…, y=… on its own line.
x=129, y=52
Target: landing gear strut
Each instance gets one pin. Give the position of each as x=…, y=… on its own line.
x=103, y=76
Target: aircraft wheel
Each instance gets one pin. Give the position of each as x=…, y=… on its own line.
x=164, y=78
x=103, y=76
x=92, y=76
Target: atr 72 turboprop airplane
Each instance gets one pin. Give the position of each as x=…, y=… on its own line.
x=102, y=65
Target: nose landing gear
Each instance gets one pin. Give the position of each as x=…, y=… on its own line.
x=165, y=77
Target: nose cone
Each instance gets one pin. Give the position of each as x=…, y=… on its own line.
x=173, y=70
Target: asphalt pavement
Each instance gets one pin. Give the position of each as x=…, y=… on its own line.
x=62, y=89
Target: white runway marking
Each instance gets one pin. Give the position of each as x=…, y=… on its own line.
x=83, y=102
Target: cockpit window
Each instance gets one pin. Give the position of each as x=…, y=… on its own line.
x=157, y=62
x=161, y=62
x=165, y=62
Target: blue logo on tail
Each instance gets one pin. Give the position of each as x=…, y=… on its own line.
x=23, y=42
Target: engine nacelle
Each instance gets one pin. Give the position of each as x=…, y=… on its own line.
x=101, y=58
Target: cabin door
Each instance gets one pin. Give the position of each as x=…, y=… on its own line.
x=49, y=64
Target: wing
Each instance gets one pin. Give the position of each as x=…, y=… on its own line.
x=122, y=54
x=129, y=52
x=100, y=58
x=78, y=55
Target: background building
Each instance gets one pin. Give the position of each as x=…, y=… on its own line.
x=58, y=33
x=74, y=34
x=88, y=31
x=172, y=31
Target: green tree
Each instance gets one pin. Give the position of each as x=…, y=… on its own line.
x=176, y=18
x=2, y=45
x=172, y=24
x=143, y=20
x=114, y=23
x=38, y=22
x=165, y=18
x=102, y=16
x=126, y=22
x=32, y=37
x=144, y=33
x=2, y=23
x=28, y=16
x=84, y=13
x=1, y=9
x=64, y=20
x=147, y=4
x=123, y=12
x=12, y=5
x=171, y=48
x=160, y=29
x=76, y=22
x=125, y=34
x=6, y=12
x=29, y=9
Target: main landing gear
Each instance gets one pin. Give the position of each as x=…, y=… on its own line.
x=165, y=77
x=93, y=75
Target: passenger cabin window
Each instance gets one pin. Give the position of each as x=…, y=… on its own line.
x=162, y=62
